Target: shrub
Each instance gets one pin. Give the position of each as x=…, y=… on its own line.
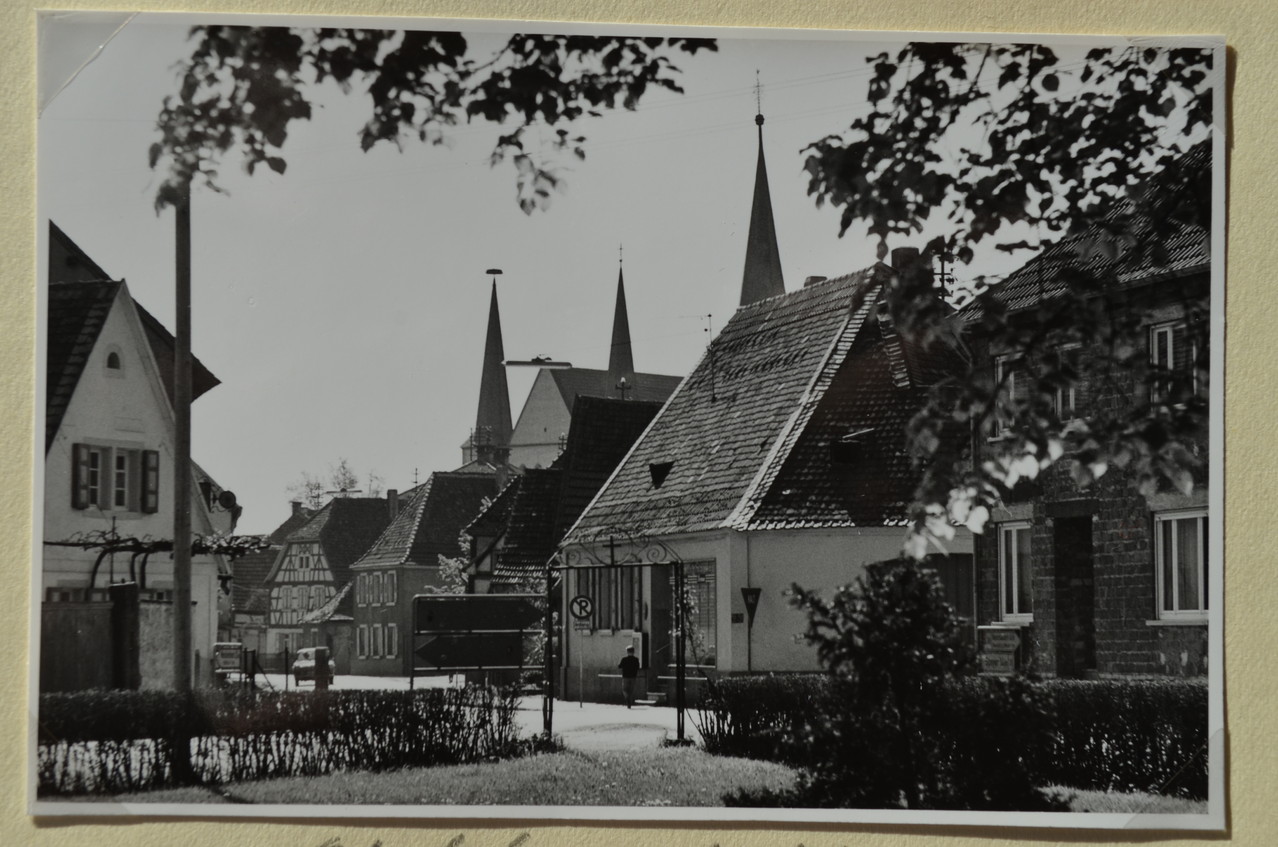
x=1145, y=735
x=762, y=717
x=114, y=741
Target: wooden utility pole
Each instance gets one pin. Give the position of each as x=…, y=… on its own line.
x=182, y=450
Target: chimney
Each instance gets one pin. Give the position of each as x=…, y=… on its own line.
x=814, y=280
x=392, y=502
x=297, y=507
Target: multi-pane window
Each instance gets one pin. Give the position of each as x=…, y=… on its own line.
x=1173, y=360
x=361, y=642
x=378, y=641
x=392, y=588
x=700, y=597
x=115, y=478
x=377, y=589
x=392, y=641
x=617, y=595
x=1015, y=572
x=1180, y=553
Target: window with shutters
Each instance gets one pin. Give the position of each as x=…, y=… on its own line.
x=116, y=478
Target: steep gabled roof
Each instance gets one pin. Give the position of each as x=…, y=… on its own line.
x=77, y=313
x=81, y=296
x=492, y=521
x=588, y=382
x=699, y=464
x=344, y=528
x=429, y=525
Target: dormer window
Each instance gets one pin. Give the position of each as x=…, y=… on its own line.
x=658, y=471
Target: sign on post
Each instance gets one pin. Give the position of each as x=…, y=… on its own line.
x=581, y=607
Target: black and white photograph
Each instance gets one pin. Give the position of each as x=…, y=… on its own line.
x=632, y=423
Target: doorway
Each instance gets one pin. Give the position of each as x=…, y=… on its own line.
x=1075, y=597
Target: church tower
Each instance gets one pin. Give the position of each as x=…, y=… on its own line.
x=621, y=360
x=762, y=277
x=490, y=441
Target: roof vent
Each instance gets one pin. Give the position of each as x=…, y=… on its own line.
x=659, y=471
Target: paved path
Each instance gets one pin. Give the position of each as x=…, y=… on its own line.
x=605, y=726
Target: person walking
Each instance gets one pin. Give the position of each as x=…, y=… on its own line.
x=629, y=665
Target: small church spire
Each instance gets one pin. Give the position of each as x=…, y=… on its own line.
x=762, y=277
x=621, y=362
x=491, y=439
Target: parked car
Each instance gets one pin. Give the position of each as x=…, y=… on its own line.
x=304, y=666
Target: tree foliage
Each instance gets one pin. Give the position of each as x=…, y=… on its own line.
x=242, y=88
x=1100, y=167
x=314, y=489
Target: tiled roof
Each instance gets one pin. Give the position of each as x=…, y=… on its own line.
x=1114, y=247
x=601, y=434
x=531, y=537
x=344, y=528
x=429, y=525
x=588, y=382
x=867, y=480
x=77, y=312
x=493, y=519
x=724, y=428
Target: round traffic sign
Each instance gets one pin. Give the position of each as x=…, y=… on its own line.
x=580, y=607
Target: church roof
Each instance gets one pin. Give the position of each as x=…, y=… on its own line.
x=756, y=414
x=429, y=525
x=589, y=382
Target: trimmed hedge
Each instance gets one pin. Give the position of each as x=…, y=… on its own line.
x=1146, y=735
x=117, y=741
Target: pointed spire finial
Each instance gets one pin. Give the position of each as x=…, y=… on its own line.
x=621, y=362
x=762, y=277
x=491, y=440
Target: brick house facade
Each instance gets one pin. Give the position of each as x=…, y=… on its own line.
x=1105, y=580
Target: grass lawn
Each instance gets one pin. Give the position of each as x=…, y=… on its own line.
x=646, y=777
x=1136, y=802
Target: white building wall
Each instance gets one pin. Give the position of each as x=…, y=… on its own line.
x=124, y=409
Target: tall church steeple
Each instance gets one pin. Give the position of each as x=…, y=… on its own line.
x=491, y=440
x=621, y=361
x=762, y=277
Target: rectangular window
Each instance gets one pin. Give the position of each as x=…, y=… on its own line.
x=1065, y=400
x=392, y=641
x=1012, y=383
x=1180, y=551
x=392, y=588
x=359, y=589
x=120, y=481
x=377, y=640
x=1015, y=572
x=1173, y=361
x=361, y=642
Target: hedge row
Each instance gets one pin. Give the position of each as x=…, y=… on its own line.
x=1107, y=734
x=118, y=741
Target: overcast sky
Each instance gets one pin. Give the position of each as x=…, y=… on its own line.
x=343, y=304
